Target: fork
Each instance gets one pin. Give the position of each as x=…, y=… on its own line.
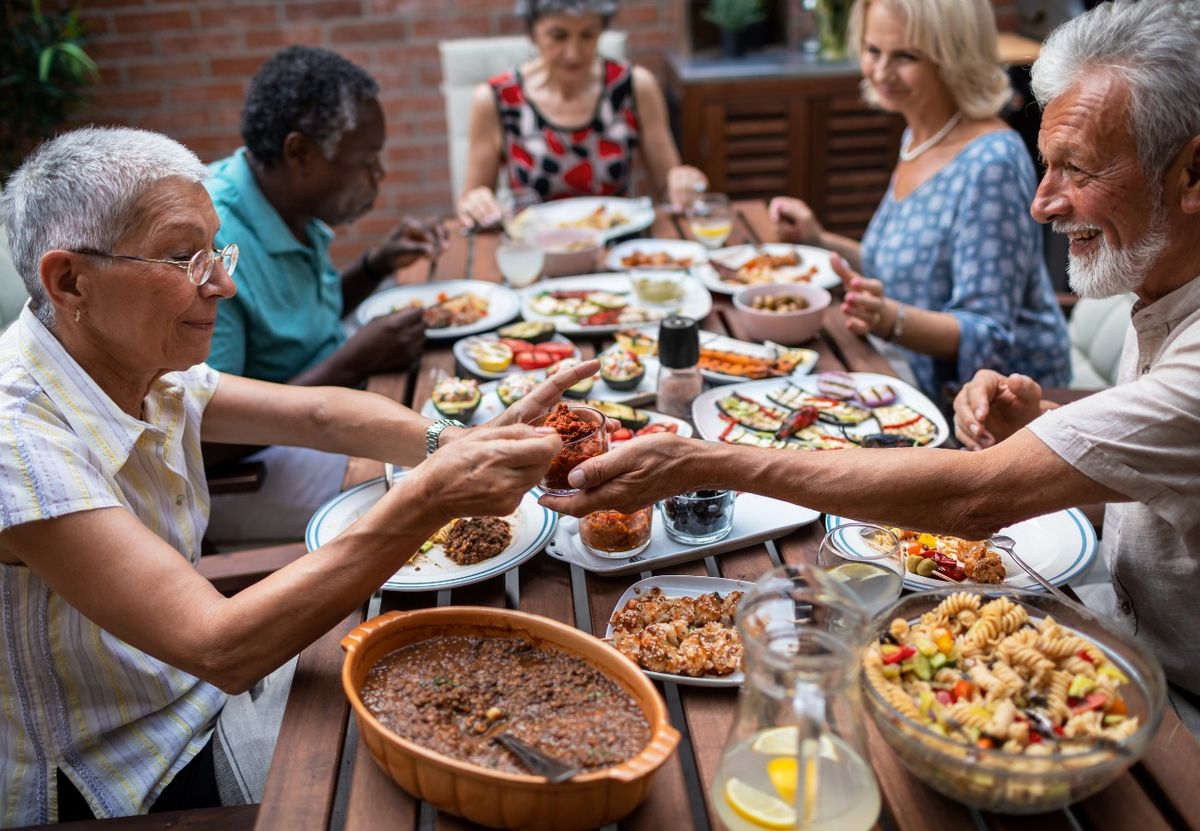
x=1006, y=544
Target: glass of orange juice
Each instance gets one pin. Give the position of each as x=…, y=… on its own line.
x=710, y=219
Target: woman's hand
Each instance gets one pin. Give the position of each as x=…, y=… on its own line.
x=478, y=207
x=683, y=183
x=990, y=408
x=630, y=476
x=864, y=305
x=795, y=221
x=485, y=472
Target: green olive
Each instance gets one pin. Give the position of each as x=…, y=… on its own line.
x=927, y=567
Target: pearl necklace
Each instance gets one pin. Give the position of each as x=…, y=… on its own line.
x=908, y=153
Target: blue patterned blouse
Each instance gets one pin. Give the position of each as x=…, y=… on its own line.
x=963, y=242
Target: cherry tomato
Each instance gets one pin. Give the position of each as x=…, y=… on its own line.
x=624, y=434
x=651, y=429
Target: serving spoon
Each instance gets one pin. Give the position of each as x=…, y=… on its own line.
x=537, y=762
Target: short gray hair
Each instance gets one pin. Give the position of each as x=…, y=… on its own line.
x=80, y=190
x=1153, y=46
x=531, y=10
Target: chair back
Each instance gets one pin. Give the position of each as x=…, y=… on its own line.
x=468, y=62
x=1097, y=329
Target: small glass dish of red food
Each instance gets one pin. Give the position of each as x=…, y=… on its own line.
x=617, y=535
x=584, y=434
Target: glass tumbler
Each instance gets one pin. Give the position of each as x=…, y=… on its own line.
x=577, y=446
x=699, y=517
x=617, y=535
x=865, y=558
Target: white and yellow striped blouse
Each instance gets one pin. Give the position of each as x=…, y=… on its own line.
x=118, y=722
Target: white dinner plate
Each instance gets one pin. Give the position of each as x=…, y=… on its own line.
x=682, y=428
x=696, y=302
x=491, y=405
x=709, y=424
x=462, y=353
x=679, y=585
x=533, y=526
x=675, y=248
x=565, y=213
x=503, y=304
x=1059, y=546
x=736, y=255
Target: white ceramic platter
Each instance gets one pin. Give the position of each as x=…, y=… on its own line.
x=679, y=585
x=674, y=248
x=503, y=304
x=638, y=215
x=696, y=302
x=682, y=428
x=736, y=255
x=462, y=353
x=533, y=526
x=1059, y=546
x=755, y=518
x=709, y=424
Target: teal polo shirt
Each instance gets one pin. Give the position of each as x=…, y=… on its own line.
x=286, y=316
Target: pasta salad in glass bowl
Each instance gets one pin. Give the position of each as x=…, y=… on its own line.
x=1008, y=700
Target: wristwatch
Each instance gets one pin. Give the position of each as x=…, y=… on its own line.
x=434, y=432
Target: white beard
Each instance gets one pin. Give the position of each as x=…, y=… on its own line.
x=1111, y=271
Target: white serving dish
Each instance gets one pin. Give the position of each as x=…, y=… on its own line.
x=736, y=255
x=503, y=304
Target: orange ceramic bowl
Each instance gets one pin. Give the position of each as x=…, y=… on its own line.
x=489, y=797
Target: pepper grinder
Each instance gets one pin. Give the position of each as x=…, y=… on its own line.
x=679, y=379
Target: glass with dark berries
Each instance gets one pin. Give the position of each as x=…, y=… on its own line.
x=698, y=517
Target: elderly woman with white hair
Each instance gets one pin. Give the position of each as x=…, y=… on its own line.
x=569, y=122
x=951, y=264
x=120, y=662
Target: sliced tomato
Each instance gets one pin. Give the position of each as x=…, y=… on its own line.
x=604, y=318
x=651, y=429
x=535, y=359
x=1092, y=701
x=624, y=434
x=558, y=350
x=517, y=345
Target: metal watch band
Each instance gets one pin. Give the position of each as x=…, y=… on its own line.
x=434, y=432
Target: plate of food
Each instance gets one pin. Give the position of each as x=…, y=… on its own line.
x=707, y=654
x=653, y=423
x=473, y=403
x=1060, y=546
x=464, y=552
x=726, y=360
x=656, y=253
x=829, y=411
x=453, y=308
x=597, y=304
x=611, y=216
x=739, y=266
x=493, y=355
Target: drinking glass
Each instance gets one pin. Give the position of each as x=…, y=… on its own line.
x=865, y=558
x=574, y=452
x=699, y=517
x=617, y=535
x=520, y=261
x=518, y=221
x=710, y=219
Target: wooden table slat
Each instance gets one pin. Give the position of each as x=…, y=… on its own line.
x=375, y=801
x=1173, y=761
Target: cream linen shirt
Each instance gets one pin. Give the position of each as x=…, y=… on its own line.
x=74, y=697
x=1141, y=438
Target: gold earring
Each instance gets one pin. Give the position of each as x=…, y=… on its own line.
x=77, y=315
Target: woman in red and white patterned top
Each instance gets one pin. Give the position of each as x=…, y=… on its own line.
x=567, y=122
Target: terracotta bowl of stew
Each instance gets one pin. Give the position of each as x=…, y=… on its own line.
x=496, y=798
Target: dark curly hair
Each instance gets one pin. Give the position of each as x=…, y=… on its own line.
x=305, y=89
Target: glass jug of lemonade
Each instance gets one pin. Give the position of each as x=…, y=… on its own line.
x=795, y=757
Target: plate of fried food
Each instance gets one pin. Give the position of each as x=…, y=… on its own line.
x=611, y=216
x=829, y=411
x=773, y=263
x=1059, y=546
x=452, y=308
x=680, y=628
x=656, y=253
x=726, y=360
x=463, y=552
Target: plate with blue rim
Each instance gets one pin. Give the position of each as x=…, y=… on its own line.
x=532, y=527
x=1060, y=546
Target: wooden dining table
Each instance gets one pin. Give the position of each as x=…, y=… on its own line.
x=323, y=778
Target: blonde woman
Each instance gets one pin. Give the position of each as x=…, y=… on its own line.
x=951, y=265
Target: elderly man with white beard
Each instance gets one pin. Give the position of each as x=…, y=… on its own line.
x=1121, y=140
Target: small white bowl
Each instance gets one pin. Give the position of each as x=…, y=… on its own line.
x=568, y=250
x=788, y=328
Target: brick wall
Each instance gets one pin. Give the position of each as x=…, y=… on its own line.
x=181, y=68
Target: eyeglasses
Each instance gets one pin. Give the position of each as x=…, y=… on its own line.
x=199, y=267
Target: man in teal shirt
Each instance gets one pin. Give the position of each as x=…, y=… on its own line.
x=313, y=131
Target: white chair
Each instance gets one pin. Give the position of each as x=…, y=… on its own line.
x=1097, y=329
x=469, y=62
x=12, y=288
